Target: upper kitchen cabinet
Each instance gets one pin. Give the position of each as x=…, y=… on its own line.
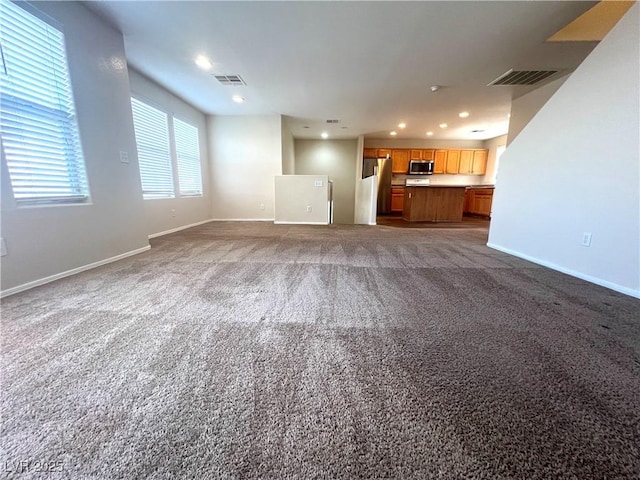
x=416, y=154
x=428, y=154
x=473, y=162
x=384, y=152
x=370, y=153
x=453, y=162
x=479, y=166
x=440, y=160
x=466, y=162
x=400, y=161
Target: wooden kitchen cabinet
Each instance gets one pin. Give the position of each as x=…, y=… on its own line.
x=399, y=161
x=428, y=154
x=397, y=199
x=478, y=201
x=433, y=204
x=479, y=164
x=384, y=152
x=466, y=162
x=453, y=162
x=415, y=155
x=370, y=153
x=440, y=160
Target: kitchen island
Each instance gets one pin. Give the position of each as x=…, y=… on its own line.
x=433, y=203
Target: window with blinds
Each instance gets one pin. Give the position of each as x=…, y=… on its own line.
x=38, y=124
x=187, y=158
x=157, y=136
x=154, y=154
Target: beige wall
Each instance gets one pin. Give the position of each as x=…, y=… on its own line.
x=50, y=241
x=337, y=159
x=524, y=108
x=302, y=199
x=288, y=158
x=575, y=168
x=246, y=155
x=167, y=214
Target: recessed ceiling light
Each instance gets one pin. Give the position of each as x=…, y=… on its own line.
x=203, y=62
x=238, y=98
x=463, y=114
x=393, y=134
x=402, y=125
x=324, y=135
x=434, y=88
x=429, y=133
x=443, y=125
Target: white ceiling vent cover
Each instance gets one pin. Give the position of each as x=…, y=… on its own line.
x=234, y=80
x=522, y=77
x=333, y=121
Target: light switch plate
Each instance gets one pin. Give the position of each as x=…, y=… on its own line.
x=318, y=183
x=124, y=157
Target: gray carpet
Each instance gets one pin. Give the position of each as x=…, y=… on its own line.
x=252, y=350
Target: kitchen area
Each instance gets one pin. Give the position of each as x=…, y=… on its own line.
x=430, y=184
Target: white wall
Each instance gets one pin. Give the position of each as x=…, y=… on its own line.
x=168, y=214
x=524, y=108
x=366, y=192
x=338, y=160
x=492, y=169
x=246, y=155
x=575, y=168
x=44, y=242
x=302, y=199
x=288, y=149
x=366, y=200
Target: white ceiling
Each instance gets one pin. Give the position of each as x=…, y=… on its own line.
x=369, y=64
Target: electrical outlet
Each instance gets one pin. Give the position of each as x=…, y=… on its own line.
x=3, y=247
x=318, y=183
x=308, y=208
x=262, y=206
x=173, y=212
x=586, y=239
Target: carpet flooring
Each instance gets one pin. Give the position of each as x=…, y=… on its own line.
x=253, y=350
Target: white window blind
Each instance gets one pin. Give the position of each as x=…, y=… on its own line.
x=37, y=116
x=154, y=154
x=188, y=158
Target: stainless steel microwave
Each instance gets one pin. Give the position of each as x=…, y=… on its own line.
x=421, y=167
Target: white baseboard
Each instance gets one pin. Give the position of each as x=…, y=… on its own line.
x=68, y=273
x=241, y=220
x=177, y=229
x=280, y=222
x=573, y=273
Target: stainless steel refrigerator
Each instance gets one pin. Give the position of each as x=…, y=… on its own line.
x=382, y=168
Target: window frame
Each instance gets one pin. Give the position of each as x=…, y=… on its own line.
x=174, y=161
x=170, y=151
x=35, y=118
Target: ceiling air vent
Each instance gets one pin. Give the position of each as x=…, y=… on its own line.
x=522, y=77
x=234, y=80
x=333, y=121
